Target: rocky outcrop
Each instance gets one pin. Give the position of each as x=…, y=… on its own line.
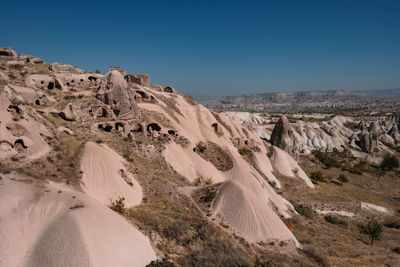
x=280, y=134
x=365, y=142
x=113, y=91
x=8, y=52
x=141, y=79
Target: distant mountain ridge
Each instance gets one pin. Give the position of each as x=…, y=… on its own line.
x=309, y=101
x=381, y=92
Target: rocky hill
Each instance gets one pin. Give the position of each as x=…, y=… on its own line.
x=110, y=170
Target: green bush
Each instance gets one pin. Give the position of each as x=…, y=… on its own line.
x=98, y=71
x=317, y=176
x=243, y=151
x=99, y=141
x=342, y=178
x=372, y=229
x=272, y=183
x=201, y=146
x=118, y=205
x=304, y=210
x=209, y=196
x=389, y=163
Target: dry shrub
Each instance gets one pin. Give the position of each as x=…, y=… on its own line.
x=289, y=224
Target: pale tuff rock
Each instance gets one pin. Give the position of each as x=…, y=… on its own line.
x=105, y=177
x=245, y=117
x=113, y=91
x=286, y=165
x=249, y=215
x=20, y=131
x=54, y=225
x=65, y=68
x=338, y=133
x=280, y=134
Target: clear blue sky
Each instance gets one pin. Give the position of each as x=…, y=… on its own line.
x=217, y=47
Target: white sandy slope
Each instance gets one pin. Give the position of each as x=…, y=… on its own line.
x=39, y=227
x=257, y=195
x=190, y=165
x=287, y=166
x=248, y=215
x=105, y=176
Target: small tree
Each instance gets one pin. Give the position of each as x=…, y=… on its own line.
x=372, y=229
x=389, y=163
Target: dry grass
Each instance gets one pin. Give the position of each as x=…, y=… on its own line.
x=218, y=156
x=338, y=238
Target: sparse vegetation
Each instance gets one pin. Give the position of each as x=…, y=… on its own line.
x=201, y=146
x=218, y=156
x=209, y=196
x=317, y=256
x=99, y=141
x=272, y=183
x=328, y=159
x=317, y=177
x=372, y=229
x=165, y=262
x=98, y=71
x=389, y=163
x=304, y=210
x=189, y=99
x=244, y=151
x=342, y=178
x=118, y=205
